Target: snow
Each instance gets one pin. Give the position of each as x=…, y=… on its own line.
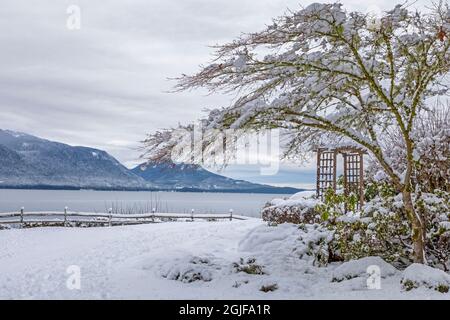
x=358, y=268
x=301, y=199
x=196, y=269
x=183, y=260
x=380, y=176
x=419, y=275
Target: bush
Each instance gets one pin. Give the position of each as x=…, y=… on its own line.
x=431, y=151
x=418, y=275
x=315, y=243
x=335, y=205
x=189, y=270
x=295, y=210
x=435, y=210
x=383, y=230
x=379, y=229
x=269, y=288
x=249, y=266
x=358, y=268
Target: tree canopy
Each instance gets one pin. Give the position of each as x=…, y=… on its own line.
x=323, y=75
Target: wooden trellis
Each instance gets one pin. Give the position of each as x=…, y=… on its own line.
x=353, y=171
x=326, y=171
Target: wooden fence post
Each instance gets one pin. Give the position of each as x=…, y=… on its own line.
x=110, y=217
x=21, y=215
x=192, y=214
x=231, y=214
x=65, y=216
x=153, y=214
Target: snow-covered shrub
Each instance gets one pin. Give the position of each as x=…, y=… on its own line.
x=360, y=267
x=248, y=266
x=238, y=284
x=300, y=208
x=432, y=146
x=273, y=245
x=419, y=275
x=435, y=210
x=269, y=288
x=336, y=204
x=382, y=230
x=431, y=151
x=194, y=269
x=314, y=243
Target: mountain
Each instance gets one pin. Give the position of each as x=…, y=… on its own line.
x=30, y=162
x=190, y=177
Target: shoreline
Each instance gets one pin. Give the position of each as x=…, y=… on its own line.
x=280, y=190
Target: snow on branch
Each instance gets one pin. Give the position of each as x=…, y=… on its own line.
x=322, y=69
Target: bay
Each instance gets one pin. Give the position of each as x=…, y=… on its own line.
x=134, y=202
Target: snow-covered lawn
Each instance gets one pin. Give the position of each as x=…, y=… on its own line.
x=182, y=260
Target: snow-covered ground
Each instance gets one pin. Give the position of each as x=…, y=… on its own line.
x=158, y=261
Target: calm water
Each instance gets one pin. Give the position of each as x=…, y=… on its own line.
x=120, y=201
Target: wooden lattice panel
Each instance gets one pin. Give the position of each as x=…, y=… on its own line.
x=353, y=175
x=326, y=171
x=353, y=171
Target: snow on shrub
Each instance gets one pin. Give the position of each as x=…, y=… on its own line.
x=359, y=268
x=435, y=208
x=248, y=266
x=382, y=229
x=431, y=135
x=189, y=269
x=269, y=287
x=299, y=208
x=314, y=243
x=419, y=275
x=269, y=240
x=277, y=244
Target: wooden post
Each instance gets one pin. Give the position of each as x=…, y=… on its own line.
x=361, y=180
x=334, y=171
x=318, y=173
x=153, y=214
x=21, y=215
x=346, y=184
x=65, y=216
x=192, y=214
x=110, y=217
x=344, y=156
x=231, y=214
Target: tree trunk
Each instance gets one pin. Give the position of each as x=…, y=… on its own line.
x=418, y=228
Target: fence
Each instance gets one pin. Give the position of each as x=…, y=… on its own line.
x=71, y=218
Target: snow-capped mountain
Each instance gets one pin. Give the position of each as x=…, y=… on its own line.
x=30, y=162
x=194, y=177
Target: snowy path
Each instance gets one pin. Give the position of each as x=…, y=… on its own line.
x=128, y=262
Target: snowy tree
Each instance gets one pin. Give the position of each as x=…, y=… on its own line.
x=325, y=74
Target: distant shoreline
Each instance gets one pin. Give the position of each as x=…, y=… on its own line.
x=275, y=190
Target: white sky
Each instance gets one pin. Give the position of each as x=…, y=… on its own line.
x=105, y=85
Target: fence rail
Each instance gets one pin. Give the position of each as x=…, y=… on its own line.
x=73, y=218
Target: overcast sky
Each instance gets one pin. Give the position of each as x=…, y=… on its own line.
x=105, y=85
